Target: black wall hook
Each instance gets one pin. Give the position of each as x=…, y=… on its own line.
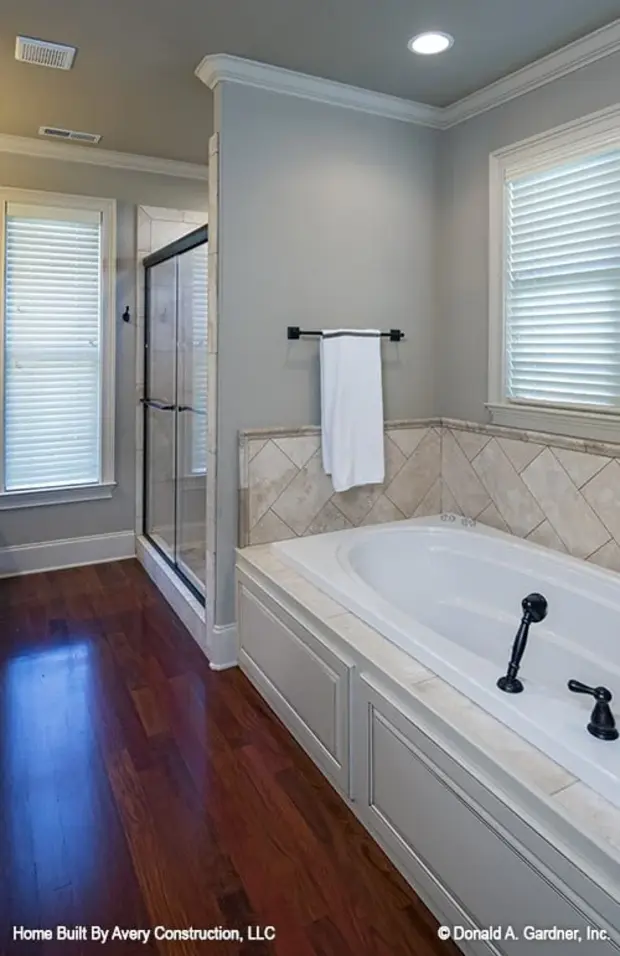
x=126, y=316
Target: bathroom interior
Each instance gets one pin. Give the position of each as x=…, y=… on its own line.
x=310, y=478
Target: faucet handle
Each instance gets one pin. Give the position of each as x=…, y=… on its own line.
x=600, y=693
x=602, y=723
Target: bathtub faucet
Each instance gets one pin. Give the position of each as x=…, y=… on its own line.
x=602, y=723
x=534, y=610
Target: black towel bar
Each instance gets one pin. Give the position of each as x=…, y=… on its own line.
x=294, y=332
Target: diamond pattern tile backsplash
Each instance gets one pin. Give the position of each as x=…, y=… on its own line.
x=285, y=493
x=562, y=493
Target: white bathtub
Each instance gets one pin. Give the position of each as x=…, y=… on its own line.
x=450, y=595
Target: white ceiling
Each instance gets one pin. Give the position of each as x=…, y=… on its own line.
x=133, y=78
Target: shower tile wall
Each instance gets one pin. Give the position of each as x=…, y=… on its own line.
x=562, y=493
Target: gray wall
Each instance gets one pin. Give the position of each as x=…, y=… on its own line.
x=30, y=525
x=462, y=239
x=326, y=219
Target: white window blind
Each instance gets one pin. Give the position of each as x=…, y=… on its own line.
x=199, y=359
x=562, y=284
x=52, y=347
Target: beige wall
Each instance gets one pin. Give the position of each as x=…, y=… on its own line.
x=463, y=214
x=31, y=525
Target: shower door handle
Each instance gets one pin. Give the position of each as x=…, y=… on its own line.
x=160, y=406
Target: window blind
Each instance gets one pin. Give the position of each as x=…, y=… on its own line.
x=199, y=359
x=52, y=347
x=562, y=284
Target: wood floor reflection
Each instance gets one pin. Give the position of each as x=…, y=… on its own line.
x=139, y=788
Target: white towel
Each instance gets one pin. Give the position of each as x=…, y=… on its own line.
x=352, y=408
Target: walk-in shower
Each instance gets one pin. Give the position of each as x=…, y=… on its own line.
x=175, y=405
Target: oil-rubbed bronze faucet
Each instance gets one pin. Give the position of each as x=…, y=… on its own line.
x=534, y=610
x=602, y=723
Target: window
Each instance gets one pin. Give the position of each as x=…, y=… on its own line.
x=555, y=282
x=57, y=348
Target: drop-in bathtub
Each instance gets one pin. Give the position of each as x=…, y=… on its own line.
x=449, y=594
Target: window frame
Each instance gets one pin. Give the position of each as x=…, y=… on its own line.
x=105, y=486
x=590, y=134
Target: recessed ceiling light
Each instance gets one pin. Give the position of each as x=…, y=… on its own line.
x=431, y=42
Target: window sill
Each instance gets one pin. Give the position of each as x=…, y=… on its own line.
x=596, y=426
x=55, y=496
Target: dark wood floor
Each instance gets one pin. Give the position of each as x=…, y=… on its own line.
x=138, y=788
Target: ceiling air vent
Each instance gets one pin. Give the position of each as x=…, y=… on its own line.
x=70, y=134
x=58, y=56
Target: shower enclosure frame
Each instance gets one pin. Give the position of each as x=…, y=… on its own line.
x=192, y=240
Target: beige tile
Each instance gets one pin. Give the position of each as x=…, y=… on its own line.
x=520, y=453
x=144, y=234
x=417, y=476
x=195, y=216
x=607, y=557
x=164, y=232
x=308, y=595
x=270, y=528
x=299, y=504
x=470, y=442
x=592, y=812
x=394, y=459
x=493, y=519
x=407, y=439
x=270, y=473
x=356, y=503
x=263, y=557
x=383, y=511
x=381, y=652
x=456, y=471
x=504, y=745
x=579, y=465
x=161, y=212
x=564, y=506
x=544, y=534
x=511, y=497
x=448, y=502
x=254, y=446
x=431, y=502
x=603, y=493
x=244, y=461
x=299, y=449
x=329, y=518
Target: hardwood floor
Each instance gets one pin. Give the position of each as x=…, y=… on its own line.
x=140, y=789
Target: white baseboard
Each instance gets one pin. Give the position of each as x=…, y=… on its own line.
x=223, y=647
x=66, y=553
x=181, y=600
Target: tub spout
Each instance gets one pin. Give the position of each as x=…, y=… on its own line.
x=534, y=610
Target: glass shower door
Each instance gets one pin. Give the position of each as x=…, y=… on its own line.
x=160, y=406
x=191, y=374
x=175, y=406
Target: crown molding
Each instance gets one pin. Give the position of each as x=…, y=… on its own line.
x=220, y=68
x=594, y=46
x=92, y=155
